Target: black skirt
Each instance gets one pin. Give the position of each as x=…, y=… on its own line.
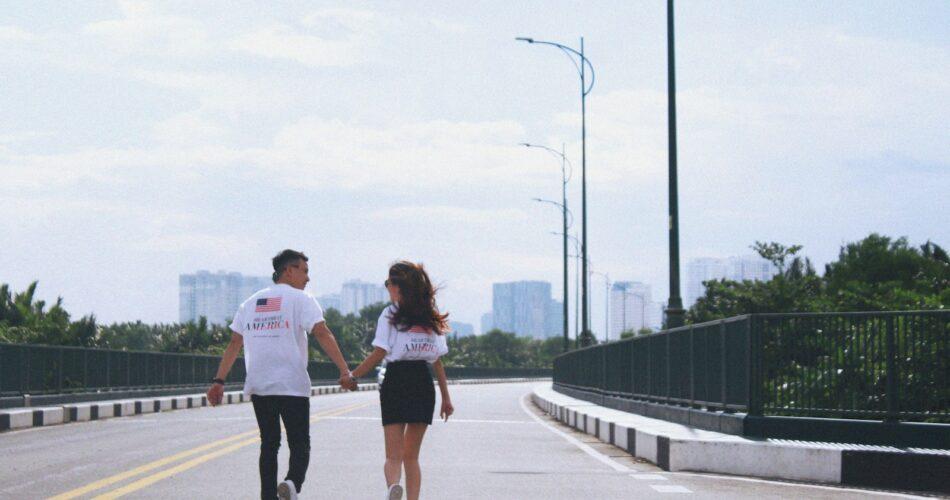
x=407, y=395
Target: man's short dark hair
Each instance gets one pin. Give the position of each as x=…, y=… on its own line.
x=284, y=259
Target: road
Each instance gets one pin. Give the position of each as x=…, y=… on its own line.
x=498, y=446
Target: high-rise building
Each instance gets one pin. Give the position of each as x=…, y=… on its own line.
x=523, y=308
x=631, y=308
x=329, y=301
x=487, y=323
x=357, y=294
x=555, y=319
x=744, y=268
x=461, y=329
x=216, y=296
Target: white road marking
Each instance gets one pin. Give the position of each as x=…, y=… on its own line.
x=670, y=488
x=451, y=420
x=802, y=485
x=648, y=477
x=571, y=439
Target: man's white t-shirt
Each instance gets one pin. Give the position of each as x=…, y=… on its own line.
x=403, y=345
x=275, y=322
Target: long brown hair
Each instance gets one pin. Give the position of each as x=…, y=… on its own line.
x=417, y=305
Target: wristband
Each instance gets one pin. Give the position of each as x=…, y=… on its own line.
x=217, y=381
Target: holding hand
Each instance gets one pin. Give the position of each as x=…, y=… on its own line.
x=447, y=410
x=348, y=382
x=215, y=394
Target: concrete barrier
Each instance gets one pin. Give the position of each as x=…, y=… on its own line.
x=677, y=447
x=78, y=412
x=16, y=419
x=123, y=408
x=21, y=418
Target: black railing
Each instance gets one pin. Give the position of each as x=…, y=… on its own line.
x=44, y=369
x=878, y=365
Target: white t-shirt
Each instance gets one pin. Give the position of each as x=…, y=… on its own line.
x=275, y=322
x=403, y=345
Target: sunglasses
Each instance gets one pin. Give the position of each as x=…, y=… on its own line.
x=387, y=283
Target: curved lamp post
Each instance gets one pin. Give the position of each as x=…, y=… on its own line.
x=583, y=65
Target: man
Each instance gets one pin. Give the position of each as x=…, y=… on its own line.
x=272, y=327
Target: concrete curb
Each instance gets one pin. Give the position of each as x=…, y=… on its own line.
x=24, y=418
x=676, y=447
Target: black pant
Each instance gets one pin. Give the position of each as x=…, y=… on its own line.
x=295, y=411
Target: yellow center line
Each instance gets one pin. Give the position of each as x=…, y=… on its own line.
x=102, y=483
x=154, y=478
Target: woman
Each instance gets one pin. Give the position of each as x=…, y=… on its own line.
x=410, y=335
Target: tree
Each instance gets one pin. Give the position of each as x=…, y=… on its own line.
x=873, y=274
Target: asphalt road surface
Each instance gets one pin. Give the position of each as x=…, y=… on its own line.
x=498, y=445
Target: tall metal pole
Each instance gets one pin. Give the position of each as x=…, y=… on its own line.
x=564, y=215
x=583, y=65
x=564, y=212
x=606, y=308
x=585, y=319
x=674, y=310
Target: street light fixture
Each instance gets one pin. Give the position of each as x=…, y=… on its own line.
x=582, y=67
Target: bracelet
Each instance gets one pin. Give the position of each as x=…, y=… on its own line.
x=217, y=381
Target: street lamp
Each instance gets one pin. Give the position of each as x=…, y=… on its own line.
x=582, y=67
x=564, y=214
x=674, y=309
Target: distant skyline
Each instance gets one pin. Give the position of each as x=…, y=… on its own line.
x=140, y=141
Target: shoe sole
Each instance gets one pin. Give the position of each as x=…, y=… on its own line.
x=283, y=491
x=395, y=493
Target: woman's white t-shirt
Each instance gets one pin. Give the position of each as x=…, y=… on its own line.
x=275, y=323
x=416, y=343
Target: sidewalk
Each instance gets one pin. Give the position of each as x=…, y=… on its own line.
x=677, y=447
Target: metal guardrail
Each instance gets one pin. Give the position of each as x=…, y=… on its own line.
x=44, y=369
x=878, y=365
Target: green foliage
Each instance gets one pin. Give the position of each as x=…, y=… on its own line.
x=874, y=274
x=498, y=349
x=354, y=332
x=24, y=320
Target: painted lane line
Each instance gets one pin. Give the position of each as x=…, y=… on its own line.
x=670, y=488
x=649, y=477
x=571, y=439
x=773, y=482
x=154, y=478
x=102, y=483
x=451, y=420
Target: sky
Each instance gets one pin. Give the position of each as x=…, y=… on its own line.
x=140, y=140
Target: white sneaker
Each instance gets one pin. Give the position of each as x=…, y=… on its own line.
x=395, y=492
x=287, y=490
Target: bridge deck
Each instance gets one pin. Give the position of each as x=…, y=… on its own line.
x=498, y=445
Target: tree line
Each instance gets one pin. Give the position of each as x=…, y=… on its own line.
x=874, y=274
x=26, y=320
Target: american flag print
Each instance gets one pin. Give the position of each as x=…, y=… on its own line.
x=268, y=305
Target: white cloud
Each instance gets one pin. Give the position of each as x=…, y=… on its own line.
x=143, y=29
x=450, y=214
x=12, y=33
x=281, y=41
x=189, y=129
x=326, y=38
x=424, y=155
